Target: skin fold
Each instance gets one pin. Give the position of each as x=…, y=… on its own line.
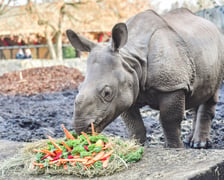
x=172, y=63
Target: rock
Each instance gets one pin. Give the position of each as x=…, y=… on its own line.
x=157, y=163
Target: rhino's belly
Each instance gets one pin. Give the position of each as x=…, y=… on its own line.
x=201, y=94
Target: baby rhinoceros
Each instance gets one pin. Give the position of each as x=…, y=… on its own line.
x=172, y=63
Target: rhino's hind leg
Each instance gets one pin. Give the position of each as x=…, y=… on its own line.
x=187, y=140
x=205, y=114
x=133, y=121
x=172, y=106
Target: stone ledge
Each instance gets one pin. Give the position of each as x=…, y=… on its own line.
x=18, y=65
x=157, y=163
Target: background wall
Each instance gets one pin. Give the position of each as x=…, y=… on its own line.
x=17, y=65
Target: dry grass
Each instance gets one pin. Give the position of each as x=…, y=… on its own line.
x=21, y=164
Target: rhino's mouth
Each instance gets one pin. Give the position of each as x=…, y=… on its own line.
x=99, y=125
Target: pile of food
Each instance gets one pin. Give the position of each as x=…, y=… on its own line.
x=83, y=155
x=84, y=151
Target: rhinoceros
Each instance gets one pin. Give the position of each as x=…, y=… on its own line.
x=171, y=63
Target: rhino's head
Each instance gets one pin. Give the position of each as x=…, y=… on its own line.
x=108, y=88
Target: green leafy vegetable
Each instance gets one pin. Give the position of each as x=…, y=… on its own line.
x=98, y=164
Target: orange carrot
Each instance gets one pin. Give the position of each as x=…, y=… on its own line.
x=52, y=162
x=37, y=150
x=53, y=142
x=93, y=131
x=45, y=151
x=67, y=147
x=99, y=156
x=106, y=162
x=107, y=146
x=73, y=160
x=74, y=164
x=75, y=157
x=93, y=154
x=88, y=157
x=48, y=152
x=86, y=136
x=107, y=154
x=57, y=151
x=58, y=163
x=65, y=167
x=67, y=133
x=88, y=163
x=38, y=164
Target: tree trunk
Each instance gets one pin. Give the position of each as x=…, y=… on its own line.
x=59, y=46
x=51, y=46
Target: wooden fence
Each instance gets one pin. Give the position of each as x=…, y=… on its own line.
x=37, y=51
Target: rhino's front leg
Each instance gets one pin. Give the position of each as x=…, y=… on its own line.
x=172, y=106
x=133, y=120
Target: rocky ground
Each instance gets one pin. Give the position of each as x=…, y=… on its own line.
x=27, y=114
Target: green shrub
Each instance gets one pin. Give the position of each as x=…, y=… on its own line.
x=68, y=52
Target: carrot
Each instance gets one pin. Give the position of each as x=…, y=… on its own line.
x=44, y=151
x=57, y=151
x=75, y=157
x=48, y=152
x=93, y=131
x=38, y=164
x=107, y=154
x=99, y=156
x=58, y=163
x=90, y=162
x=65, y=167
x=52, y=162
x=37, y=150
x=93, y=154
x=67, y=133
x=107, y=146
x=67, y=147
x=53, y=142
x=88, y=157
x=74, y=164
x=74, y=160
x=86, y=136
x=106, y=162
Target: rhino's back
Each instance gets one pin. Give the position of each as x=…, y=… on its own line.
x=205, y=44
x=151, y=41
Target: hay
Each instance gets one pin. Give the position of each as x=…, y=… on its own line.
x=21, y=164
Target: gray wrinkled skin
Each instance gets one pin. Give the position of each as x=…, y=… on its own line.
x=172, y=63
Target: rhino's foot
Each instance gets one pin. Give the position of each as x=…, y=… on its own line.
x=190, y=142
x=174, y=145
x=187, y=141
x=200, y=144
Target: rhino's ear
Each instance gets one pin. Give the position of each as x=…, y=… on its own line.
x=119, y=36
x=79, y=42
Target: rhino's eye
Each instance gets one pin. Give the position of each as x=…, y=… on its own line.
x=107, y=93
